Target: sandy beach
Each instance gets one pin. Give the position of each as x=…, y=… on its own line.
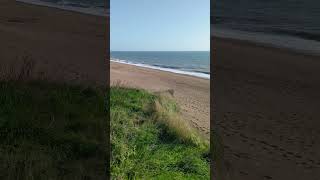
x=266, y=109
x=266, y=100
x=62, y=45
x=191, y=93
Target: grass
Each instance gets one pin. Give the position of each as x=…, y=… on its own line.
x=56, y=131
x=149, y=140
x=52, y=131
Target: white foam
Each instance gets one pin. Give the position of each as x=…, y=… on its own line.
x=196, y=74
x=90, y=10
x=280, y=41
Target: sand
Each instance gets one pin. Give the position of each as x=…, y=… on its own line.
x=191, y=93
x=266, y=100
x=63, y=45
x=266, y=109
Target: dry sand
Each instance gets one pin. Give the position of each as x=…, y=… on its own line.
x=266, y=100
x=64, y=45
x=266, y=109
x=191, y=93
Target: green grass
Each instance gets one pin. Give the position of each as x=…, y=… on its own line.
x=56, y=131
x=52, y=131
x=149, y=140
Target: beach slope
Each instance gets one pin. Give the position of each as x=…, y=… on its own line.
x=191, y=93
x=266, y=110
x=62, y=45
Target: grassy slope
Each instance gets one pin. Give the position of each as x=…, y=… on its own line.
x=145, y=146
x=51, y=131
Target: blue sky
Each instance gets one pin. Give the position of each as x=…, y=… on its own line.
x=160, y=25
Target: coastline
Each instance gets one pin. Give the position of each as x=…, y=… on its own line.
x=171, y=70
x=289, y=42
x=266, y=101
x=190, y=92
x=77, y=43
x=90, y=11
x=60, y=49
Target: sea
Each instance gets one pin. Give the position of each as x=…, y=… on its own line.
x=93, y=7
x=193, y=63
x=293, y=24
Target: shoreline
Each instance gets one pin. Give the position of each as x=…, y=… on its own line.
x=102, y=12
x=26, y=30
x=171, y=70
x=191, y=93
x=288, y=42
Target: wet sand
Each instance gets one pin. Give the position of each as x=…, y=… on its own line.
x=191, y=93
x=62, y=45
x=266, y=109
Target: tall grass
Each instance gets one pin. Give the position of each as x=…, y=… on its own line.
x=20, y=69
x=166, y=114
x=150, y=140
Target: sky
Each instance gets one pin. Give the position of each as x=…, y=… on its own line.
x=160, y=25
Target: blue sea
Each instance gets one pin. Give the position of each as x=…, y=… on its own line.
x=193, y=63
x=292, y=24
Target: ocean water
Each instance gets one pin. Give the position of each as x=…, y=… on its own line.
x=93, y=7
x=193, y=63
x=290, y=23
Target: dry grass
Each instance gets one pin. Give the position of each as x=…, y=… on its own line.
x=149, y=139
x=166, y=113
x=22, y=69
x=119, y=84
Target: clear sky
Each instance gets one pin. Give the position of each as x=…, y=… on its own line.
x=160, y=25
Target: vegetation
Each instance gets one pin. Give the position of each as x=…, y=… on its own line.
x=56, y=131
x=149, y=140
x=52, y=131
